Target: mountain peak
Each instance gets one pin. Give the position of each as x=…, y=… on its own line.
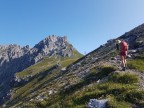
x=54, y=45
x=55, y=38
x=14, y=58
x=52, y=41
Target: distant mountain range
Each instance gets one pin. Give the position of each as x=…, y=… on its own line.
x=58, y=76
x=14, y=58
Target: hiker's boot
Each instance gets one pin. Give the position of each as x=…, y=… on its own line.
x=124, y=68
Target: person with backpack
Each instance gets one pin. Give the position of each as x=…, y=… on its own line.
x=122, y=46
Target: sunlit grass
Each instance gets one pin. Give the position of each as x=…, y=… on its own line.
x=137, y=63
x=39, y=67
x=121, y=89
x=117, y=90
x=40, y=79
x=126, y=78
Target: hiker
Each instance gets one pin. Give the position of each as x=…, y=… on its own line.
x=122, y=46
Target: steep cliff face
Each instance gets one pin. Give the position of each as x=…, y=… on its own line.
x=14, y=58
x=11, y=61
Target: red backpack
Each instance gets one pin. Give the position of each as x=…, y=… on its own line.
x=124, y=46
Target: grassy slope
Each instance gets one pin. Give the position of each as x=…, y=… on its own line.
x=48, y=63
x=42, y=73
x=39, y=67
x=122, y=90
x=39, y=80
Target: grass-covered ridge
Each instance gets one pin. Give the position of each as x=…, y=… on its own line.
x=44, y=73
x=46, y=64
x=103, y=81
x=121, y=89
x=39, y=67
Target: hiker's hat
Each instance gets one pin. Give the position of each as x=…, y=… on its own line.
x=118, y=41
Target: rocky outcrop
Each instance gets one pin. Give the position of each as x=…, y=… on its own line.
x=135, y=37
x=52, y=46
x=14, y=58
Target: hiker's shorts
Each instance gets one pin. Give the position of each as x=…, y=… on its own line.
x=124, y=53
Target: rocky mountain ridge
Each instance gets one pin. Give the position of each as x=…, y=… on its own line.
x=14, y=58
x=95, y=75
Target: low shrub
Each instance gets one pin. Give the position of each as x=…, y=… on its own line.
x=113, y=103
x=126, y=78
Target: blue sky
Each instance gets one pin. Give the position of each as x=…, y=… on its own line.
x=86, y=23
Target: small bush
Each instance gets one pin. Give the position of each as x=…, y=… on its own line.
x=108, y=69
x=42, y=104
x=135, y=96
x=84, y=98
x=113, y=103
x=115, y=88
x=105, y=71
x=126, y=78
